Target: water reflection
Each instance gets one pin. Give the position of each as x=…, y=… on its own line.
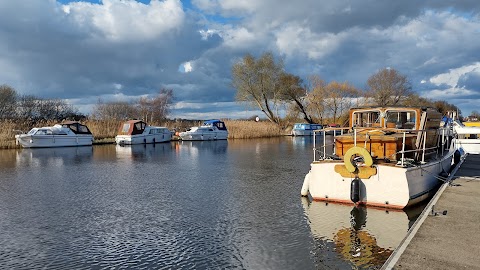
x=61, y=156
x=139, y=152
x=362, y=237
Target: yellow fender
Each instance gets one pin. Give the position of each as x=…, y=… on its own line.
x=360, y=151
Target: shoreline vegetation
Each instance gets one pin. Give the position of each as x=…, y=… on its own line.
x=104, y=131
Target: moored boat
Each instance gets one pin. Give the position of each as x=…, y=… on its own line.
x=209, y=130
x=392, y=157
x=139, y=132
x=467, y=137
x=70, y=133
x=304, y=129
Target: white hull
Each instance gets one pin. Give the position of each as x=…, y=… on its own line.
x=205, y=136
x=470, y=146
x=302, y=132
x=32, y=141
x=143, y=138
x=392, y=186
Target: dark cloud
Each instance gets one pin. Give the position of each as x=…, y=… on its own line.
x=89, y=51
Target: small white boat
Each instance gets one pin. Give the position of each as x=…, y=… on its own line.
x=393, y=157
x=467, y=137
x=209, y=130
x=66, y=134
x=139, y=132
x=303, y=129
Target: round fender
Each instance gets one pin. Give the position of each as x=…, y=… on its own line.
x=356, y=150
x=306, y=184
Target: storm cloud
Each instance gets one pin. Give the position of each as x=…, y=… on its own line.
x=124, y=49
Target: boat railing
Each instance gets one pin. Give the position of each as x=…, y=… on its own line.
x=330, y=131
x=443, y=141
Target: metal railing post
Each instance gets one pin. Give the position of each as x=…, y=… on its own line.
x=403, y=148
x=424, y=144
x=314, y=148
x=324, y=144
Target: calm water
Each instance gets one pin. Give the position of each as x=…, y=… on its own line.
x=181, y=205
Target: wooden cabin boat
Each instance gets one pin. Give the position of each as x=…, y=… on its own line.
x=70, y=133
x=209, y=130
x=304, y=129
x=139, y=132
x=391, y=157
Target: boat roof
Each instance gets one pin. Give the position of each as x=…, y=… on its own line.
x=211, y=121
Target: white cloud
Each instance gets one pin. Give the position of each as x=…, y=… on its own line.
x=451, y=78
x=128, y=19
x=186, y=67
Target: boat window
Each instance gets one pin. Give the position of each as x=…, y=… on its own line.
x=83, y=129
x=366, y=119
x=32, y=131
x=400, y=119
x=126, y=127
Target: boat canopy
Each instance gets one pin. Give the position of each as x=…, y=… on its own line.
x=132, y=127
x=215, y=122
x=76, y=127
x=305, y=126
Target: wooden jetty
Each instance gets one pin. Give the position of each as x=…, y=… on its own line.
x=447, y=234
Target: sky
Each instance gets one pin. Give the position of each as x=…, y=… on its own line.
x=121, y=50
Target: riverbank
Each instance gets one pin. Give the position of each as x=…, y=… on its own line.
x=105, y=131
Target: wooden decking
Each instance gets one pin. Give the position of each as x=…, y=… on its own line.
x=447, y=234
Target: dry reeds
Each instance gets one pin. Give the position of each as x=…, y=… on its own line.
x=104, y=131
x=243, y=129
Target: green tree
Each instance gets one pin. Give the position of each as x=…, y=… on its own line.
x=388, y=87
x=257, y=83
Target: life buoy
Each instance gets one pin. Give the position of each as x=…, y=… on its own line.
x=356, y=150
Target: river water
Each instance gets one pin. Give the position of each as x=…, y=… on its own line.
x=182, y=205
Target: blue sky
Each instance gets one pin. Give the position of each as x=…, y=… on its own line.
x=121, y=50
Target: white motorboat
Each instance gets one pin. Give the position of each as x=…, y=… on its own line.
x=304, y=129
x=139, y=132
x=392, y=157
x=69, y=133
x=209, y=130
x=467, y=137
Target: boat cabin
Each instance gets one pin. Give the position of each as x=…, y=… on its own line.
x=382, y=130
x=216, y=123
x=132, y=127
x=305, y=126
x=76, y=127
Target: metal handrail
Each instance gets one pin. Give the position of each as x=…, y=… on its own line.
x=425, y=150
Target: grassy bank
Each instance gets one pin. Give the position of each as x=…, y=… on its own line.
x=105, y=131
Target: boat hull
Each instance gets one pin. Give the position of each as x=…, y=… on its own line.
x=34, y=141
x=470, y=146
x=391, y=187
x=142, y=139
x=210, y=136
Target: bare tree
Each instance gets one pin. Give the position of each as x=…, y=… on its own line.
x=316, y=98
x=293, y=91
x=339, y=98
x=8, y=99
x=256, y=81
x=118, y=110
x=156, y=108
x=388, y=86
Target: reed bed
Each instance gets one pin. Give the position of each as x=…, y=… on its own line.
x=104, y=131
x=243, y=129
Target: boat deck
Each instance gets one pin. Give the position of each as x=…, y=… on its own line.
x=449, y=241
